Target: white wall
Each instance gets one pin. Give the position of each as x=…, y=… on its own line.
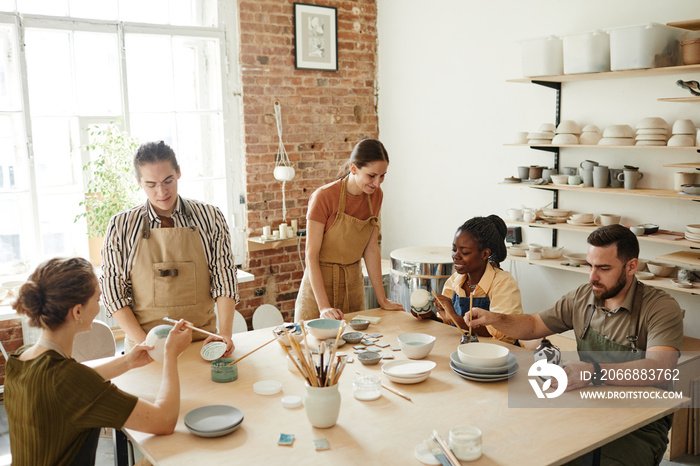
x=445, y=111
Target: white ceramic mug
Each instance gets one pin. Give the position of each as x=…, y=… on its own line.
x=529, y=216
x=607, y=219
x=514, y=214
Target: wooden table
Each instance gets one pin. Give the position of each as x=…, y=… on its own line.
x=384, y=431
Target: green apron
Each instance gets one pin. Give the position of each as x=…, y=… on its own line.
x=646, y=445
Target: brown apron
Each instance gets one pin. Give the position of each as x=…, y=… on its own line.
x=170, y=278
x=341, y=250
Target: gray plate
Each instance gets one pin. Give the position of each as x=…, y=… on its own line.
x=510, y=362
x=218, y=433
x=484, y=377
x=213, y=419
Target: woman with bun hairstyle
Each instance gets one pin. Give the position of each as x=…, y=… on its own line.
x=477, y=251
x=55, y=405
x=342, y=228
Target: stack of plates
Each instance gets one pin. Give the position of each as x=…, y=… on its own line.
x=408, y=371
x=213, y=420
x=692, y=233
x=483, y=374
x=540, y=138
x=652, y=131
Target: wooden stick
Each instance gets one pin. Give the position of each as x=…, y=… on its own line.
x=284, y=347
x=302, y=360
x=471, y=305
x=311, y=359
x=445, y=449
x=390, y=389
x=334, y=349
x=190, y=326
x=236, y=361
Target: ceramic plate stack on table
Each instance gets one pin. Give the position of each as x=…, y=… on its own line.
x=692, y=233
x=617, y=135
x=652, y=131
x=408, y=371
x=213, y=420
x=483, y=374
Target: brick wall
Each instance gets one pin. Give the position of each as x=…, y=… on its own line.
x=11, y=338
x=324, y=114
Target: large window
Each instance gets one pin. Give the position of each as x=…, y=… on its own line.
x=153, y=68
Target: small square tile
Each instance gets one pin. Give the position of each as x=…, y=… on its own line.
x=350, y=359
x=382, y=345
x=367, y=342
x=376, y=335
x=388, y=356
x=321, y=444
x=359, y=347
x=361, y=351
x=286, y=440
x=395, y=348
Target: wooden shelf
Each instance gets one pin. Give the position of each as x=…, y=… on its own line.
x=595, y=146
x=256, y=244
x=643, y=192
x=683, y=165
x=691, y=258
x=680, y=99
x=658, y=282
x=611, y=74
x=691, y=24
x=586, y=229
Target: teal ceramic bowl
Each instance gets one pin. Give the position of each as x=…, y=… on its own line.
x=222, y=372
x=323, y=329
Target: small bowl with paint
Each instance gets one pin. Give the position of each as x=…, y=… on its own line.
x=353, y=337
x=223, y=371
x=369, y=358
x=359, y=324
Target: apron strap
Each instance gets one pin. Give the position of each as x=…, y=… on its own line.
x=146, y=227
x=587, y=321
x=336, y=269
x=341, y=201
x=635, y=316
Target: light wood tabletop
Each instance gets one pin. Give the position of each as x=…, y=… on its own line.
x=384, y=431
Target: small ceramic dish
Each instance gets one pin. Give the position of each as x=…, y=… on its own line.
x=650, y=228
x=660, y=270
x=323, y=329
x=213, y=350
x=618, y=131
x=691, y=189
x=353, y=337
x=682, y=283
x=516, y=250
x=576, y=259
x=560, y=179
x=369, y=358
x=267, y=387
x=644, y=275
x=294, y=330
x=638, y=230
x=652, y=123
x=359, y=324
x=608, y=141
x=694, y=229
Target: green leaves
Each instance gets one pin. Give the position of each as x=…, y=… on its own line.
x=111, y=184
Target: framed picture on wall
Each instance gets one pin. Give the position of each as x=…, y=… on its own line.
x=315, y=37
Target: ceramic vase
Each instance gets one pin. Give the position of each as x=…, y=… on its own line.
x=548, y=351
x=322, y=405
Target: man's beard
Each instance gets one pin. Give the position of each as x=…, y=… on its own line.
x=608, y=293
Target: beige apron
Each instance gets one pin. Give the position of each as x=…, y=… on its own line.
x=170, y=278
x=341, y=250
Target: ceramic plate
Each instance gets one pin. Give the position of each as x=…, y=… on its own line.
x=218, y=433
x=454, y=357
x=484, y=377
x=407, y=380
x=213, y=419
x=408, y=368
x=571, y=222
x=692, y=239
x=267, y=387
x=423, y=454
x=213, y=350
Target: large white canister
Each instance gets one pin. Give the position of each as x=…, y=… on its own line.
x=588, y=52
x=418, y=267
x=542, y=56
x=650, y=45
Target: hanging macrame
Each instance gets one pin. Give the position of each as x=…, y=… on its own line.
x=283, y=167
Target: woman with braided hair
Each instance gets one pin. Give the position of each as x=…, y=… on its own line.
x=477, y=251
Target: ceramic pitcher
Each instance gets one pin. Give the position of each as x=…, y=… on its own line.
x=322, y=405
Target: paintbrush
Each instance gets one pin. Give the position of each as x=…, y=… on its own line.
x=236, y=361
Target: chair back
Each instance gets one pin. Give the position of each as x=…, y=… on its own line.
x=267, y=315
x=96, y=343
x=239, y=323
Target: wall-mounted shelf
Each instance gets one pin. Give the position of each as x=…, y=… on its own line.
x=255, y=244
x=680, y=99
x=683, y=165
x=589, y=146
x=610, y=75
x=644, y=192
x=691, y=258
x=586, y=229
x=658, y=282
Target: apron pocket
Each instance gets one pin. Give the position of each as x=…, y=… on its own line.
x=174, y=284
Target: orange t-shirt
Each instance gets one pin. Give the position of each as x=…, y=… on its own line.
x=323, y=204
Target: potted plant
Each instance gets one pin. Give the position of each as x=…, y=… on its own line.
x=110, y=187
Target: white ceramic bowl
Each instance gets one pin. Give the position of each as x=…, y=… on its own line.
x=576, y=259
x=296, y=335
x=533, y=255
x=517, y=250
x=543, y=135
x=694, y=229
x=591, y=129
x=681, y=140
x=547, y=128
x=638, y=230
x=556, y=212
x=645, y=275
x=589, y=138
x=560, y=179
x=483, y=354
x=416, y=345
x=610, y=141
x=660, y=270
x=618, y=131
x=551, y=252
x=684, y=127
x=323, y=329
x=564, y=138
x=568, y=127
x=652, y=123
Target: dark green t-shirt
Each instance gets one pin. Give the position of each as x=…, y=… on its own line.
x=53, y=403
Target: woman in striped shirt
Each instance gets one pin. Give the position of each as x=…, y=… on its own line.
x=55, y=405
x=169, y=257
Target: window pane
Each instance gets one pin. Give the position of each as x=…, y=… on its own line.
x=7, y=5
x=154, y=127
x=149, y=72
x=60, y=236
x=211, y=191
x=200, y=146
x=44, y=7
x=102, y=9
x=49, y=72
x=152, y=11
x=57, y=153
x=13, y=160
x=16, y=238
x=197, y=73
x=97, y=74
x=10, y=91
x=176, y=12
